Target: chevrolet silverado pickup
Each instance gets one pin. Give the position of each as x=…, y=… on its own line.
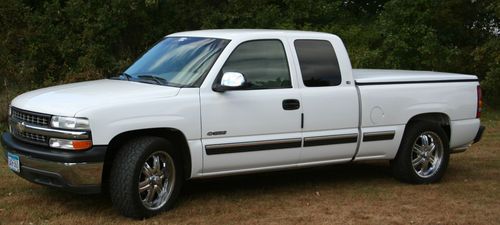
x=220, y=102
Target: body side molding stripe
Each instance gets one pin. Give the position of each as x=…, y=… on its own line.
x=330, y=140
x=296, y=142
x=253, y=146
x=378, y=136
x=415, y=82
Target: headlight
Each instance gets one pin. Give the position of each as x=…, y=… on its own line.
x=71, y=123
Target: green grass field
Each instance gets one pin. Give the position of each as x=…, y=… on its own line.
x=357, y=193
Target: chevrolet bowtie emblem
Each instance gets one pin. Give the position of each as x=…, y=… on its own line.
x=20, y=126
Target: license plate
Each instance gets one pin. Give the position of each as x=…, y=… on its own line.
x=14, y=162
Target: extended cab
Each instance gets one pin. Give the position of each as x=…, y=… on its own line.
x=221, y=102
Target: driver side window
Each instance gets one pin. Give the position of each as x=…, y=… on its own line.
x=262, y=62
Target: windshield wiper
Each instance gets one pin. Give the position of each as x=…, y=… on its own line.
x=156, y=79
x=145, y=78
x=126, y=75
x=122, y=76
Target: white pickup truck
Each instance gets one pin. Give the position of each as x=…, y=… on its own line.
x=221, y=102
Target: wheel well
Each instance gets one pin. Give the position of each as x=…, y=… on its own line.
x=175, y=136
x=440, y=118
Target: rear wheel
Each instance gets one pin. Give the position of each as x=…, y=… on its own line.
x=423, y=155
x=146, y=177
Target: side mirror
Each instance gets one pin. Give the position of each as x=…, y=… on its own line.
x=230, y=81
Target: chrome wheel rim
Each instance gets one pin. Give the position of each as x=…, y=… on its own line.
x=156, y=180
x=427, y=154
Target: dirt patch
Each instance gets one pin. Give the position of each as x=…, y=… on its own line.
x=358, y=193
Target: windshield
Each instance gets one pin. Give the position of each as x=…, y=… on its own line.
x=177, y=61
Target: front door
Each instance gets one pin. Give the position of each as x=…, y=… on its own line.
x=258, y=127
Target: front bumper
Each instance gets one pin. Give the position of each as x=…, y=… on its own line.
x=79, y=172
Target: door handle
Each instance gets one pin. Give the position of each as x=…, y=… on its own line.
x=291, y=104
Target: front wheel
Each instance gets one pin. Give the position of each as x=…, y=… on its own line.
x=145, y=178
x=423, y=155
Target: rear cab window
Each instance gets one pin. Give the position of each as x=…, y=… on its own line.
x=318, y=63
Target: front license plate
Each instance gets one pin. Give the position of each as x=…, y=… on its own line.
x=14, y=163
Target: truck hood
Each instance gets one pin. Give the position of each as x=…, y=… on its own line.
x=69, y=99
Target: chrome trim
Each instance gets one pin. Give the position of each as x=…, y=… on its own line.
x=232, y=79
x=16, y=112
x=49, y=132
x=74, y=174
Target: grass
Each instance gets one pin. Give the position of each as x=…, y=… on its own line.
x=358, y=193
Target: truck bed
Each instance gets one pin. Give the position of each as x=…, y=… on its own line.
x=379, y=76
x=388, y=103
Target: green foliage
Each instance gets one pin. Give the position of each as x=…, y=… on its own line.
x=489, y=53
x=48, y=42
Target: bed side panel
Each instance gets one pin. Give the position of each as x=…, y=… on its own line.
x=394, y=105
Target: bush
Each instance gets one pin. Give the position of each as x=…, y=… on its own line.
x=488, y=55
x=48, y=42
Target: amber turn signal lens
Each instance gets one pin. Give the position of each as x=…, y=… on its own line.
x=81, y=145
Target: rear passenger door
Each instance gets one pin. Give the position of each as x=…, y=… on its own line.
x=329, y=101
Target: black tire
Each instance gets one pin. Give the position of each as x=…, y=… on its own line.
x=402, y=166
x=127, y=170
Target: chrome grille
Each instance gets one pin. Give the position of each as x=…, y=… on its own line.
x=23, y=117
x=29, y=137
x=31, y=118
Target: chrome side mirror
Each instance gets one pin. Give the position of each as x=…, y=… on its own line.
x=230, y=81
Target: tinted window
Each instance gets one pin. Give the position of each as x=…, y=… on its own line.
x=318, y=63
x=262, y=62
